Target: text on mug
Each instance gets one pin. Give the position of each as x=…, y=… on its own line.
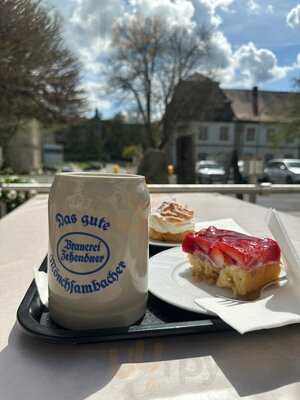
x=85, y=220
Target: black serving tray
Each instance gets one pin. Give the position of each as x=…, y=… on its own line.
x=160, y=319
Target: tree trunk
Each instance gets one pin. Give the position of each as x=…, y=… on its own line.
x=166, y=133
x=149, y=136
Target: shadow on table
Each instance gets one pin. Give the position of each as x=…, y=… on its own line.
x=245, y=365
x=226, y=364
x=30, y=369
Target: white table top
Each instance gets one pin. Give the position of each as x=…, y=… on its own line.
x=263, y=365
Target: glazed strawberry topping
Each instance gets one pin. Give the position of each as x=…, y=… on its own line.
x=229, y=247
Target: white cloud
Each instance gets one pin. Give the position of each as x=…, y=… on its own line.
x=270, y=9
x=293, y=17
x=94, y=18
x=253, y=7
x=95, y=93
x=221, y=50
x=206, y=11
x=91, y=24
x=172, y=12
x=258, y=65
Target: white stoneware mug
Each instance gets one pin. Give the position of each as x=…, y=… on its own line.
x=98, y=250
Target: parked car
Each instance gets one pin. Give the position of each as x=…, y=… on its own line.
x=282, y=170
x=209, y=171
x=67, y=168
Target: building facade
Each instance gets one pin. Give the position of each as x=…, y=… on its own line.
x=220, y=120
x=215, y=140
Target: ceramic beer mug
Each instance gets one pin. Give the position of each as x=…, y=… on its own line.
x=98, y=250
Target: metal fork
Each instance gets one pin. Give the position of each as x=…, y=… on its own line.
x=255, y=295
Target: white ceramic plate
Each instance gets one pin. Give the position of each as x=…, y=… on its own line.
x=170, y=276
x=170, y=279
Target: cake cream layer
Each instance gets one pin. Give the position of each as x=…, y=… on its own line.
x=161, y=224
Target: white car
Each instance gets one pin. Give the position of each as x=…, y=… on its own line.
x=210, y=172
x=283, y=170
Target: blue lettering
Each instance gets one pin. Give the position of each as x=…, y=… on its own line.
x=87, y=288
x=119, y=270
x=96, y=285
x=65, y=219
x=93, y=221
x=85, y=220
x=104, y=284
x=93, y=286
x=60, y=220
x=100, y=223
x=77, y=288
x=68, y=219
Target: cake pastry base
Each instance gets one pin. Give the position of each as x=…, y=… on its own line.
x=240, y=280
x=167, y=236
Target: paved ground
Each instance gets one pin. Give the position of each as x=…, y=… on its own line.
x=283, y=202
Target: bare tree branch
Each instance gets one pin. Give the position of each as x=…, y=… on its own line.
x=148, y=61
x=39, y=77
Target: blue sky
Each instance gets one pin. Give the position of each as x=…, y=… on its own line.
x=258, y=41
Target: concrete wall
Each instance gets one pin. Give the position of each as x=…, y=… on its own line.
x=24, y=151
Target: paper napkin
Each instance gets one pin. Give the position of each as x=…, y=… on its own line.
x=41, y=281
x=278, y=306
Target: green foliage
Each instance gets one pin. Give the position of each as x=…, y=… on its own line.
x=278, y=136
x=130, y=152
x=12, y=198
x=118, y=135
x=286, y=133
x=84, y=142
x=291, y=130
x=96, y=140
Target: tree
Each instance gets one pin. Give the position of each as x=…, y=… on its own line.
x=291, y=129
x=117, y=135
x=148, y=61
x=39, y=77
x=83, y=141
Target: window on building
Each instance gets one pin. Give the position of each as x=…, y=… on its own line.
x=250, y=135
x=203, y=133
x=224, y=133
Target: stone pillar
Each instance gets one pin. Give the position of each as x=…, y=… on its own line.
x=154, y=166
x=24, y=151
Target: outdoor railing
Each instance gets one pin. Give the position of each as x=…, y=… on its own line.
x=249, y=189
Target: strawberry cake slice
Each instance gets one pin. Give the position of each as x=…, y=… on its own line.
x=232, y=260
